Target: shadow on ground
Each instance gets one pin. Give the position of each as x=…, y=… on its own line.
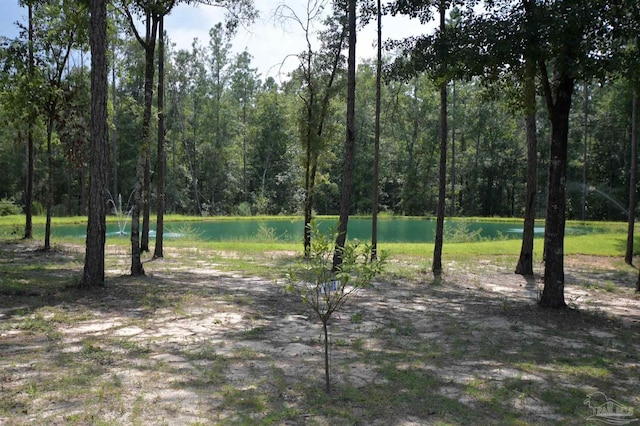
x=189, y=344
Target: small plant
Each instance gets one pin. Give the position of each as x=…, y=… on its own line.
x=461, y=233
x=266, y=234
x=9, y=207
x=610, y=287
x=189, y=232
x=326, y=291
x=243, y=209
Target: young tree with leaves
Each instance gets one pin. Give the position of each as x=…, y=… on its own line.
x=318, y=74
x=60, y=28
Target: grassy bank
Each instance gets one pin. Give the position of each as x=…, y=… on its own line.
x=606, y=239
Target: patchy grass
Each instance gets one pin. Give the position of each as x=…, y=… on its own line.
x=209, y=337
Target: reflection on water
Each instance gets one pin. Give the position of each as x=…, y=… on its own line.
x=389, y=230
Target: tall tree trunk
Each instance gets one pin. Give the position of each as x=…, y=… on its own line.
x=244, y=144
x=436, y=268
x=350, y=140
x=93, y=274
x=453, y=151
x=28, y=208
x=314, y=134
x=376, y=148
x=146, y=200
x=114, y=140
x=136, y=262
x=140, y=192
x=47, y=228
x=308, y=201
x=158, y=251
x=311, y=167
x=585, y=152
x=559, y=107
x=525, y=262
x=633, y=178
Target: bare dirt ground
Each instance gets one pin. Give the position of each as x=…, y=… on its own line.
x=195, y=345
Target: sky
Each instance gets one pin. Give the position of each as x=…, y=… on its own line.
x=269, y=42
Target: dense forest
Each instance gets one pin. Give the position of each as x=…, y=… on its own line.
x=514, y=109
x=234, y=142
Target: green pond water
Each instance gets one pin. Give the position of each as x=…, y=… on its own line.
x=389, y=230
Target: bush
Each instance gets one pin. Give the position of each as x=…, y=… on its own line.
x=9, y=207
x=37, y=209
x=243, y=209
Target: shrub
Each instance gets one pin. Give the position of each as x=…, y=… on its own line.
x=9, y=207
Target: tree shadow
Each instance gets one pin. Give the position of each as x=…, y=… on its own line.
x=216, y=345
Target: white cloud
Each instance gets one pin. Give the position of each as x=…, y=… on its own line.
x=268, y=41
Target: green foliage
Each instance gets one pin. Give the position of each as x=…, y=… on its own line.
x=189, y=232
x=8, y=207
x=460, y=232
x=238, y=145
x=266, y=234
x=243, y=209
x=324, y=290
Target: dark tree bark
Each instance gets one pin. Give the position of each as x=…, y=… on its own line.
x=140, y=193
x=50, y=186
x=114, y=139
x=376, y=148
x=146, y=199
x=436, y=268
x=314, y=131
x=310, y=180
x=158, y=251
x=28, y=208
x=633, y=179
x=559, y=105
x=93, y=274
x=453, y=151
x=585, y=152
x=136, y=261
x=350, y=140
x=442, y=181
x=525, y=262
x=51, y=110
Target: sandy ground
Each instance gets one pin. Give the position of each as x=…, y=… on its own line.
x=199, y=346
